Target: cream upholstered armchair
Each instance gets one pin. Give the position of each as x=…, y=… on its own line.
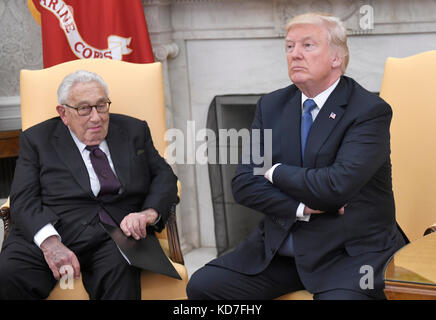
x=409, y=86
x=136, y=90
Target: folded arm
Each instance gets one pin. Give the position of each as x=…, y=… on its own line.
x=364, y=149
x=254, y=191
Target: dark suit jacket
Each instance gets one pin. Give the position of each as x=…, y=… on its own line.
x=347, y=161
x=51, y=183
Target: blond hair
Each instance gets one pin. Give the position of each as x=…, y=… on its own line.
x=337, y=34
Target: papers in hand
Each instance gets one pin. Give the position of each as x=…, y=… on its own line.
x=144, y=253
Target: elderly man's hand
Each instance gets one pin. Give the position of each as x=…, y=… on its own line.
x=135, y=224
x=59, y=257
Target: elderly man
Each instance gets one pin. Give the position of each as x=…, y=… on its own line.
x=329, y=224
x=73, y=171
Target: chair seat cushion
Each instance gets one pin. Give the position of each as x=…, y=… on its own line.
x=154, y=286
x=297, y=295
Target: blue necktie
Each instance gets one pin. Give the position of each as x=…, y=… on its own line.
x=287, y=248
x=306, y=123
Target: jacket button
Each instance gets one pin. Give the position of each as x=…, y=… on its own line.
x=273, y=250
x=83, y=222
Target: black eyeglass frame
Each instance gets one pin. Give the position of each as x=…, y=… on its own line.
x=96, y=106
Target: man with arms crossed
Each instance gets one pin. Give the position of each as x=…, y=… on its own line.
x=327, y=200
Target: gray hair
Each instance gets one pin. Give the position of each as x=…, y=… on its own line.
x=78, y=77
x=337, y=34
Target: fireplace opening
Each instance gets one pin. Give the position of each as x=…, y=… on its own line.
x=7, y=168
x=8, y=158
x=233, y=222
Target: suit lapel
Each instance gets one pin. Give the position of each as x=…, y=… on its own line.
x=290, y=124
x=326, y=120
x=70, y=155
x=119, y=150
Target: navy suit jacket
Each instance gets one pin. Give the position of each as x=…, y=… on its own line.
x=346, y=162
x=51, y=182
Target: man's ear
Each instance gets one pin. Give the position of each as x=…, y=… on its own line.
x=337, y=60
x=62, y=113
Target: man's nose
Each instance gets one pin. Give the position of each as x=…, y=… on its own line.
x=297, y=52
x=94, y=114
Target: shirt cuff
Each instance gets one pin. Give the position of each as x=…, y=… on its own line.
x=269, y=173
x=300, y=213
x=47, y=231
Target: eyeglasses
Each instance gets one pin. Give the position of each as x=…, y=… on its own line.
x=86, y=110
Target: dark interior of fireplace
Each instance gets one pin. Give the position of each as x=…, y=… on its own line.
x=233, y=222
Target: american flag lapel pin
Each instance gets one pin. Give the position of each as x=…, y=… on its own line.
x=332, y=116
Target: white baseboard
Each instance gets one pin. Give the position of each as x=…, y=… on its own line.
x=197, y=258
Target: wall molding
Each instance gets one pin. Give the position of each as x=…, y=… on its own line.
x=233, y=19
x=164, y=51
x=10, y=114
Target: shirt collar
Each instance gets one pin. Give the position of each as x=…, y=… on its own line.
x=81, y=146
x=321, y=98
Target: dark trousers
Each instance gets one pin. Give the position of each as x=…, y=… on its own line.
x=280, y=277
x=24, y=273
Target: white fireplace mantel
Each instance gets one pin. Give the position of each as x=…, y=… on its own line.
x=221, y=19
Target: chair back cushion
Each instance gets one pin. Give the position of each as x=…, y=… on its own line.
x=409, y=86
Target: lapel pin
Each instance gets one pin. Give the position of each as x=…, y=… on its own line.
x=332, y=116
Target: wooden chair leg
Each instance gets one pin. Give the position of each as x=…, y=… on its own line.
x=5, y=215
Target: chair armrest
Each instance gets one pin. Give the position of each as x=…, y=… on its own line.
x=172, y=232
x=430, y=229
x=175, y=252
x=173, y=237
x=5, y=215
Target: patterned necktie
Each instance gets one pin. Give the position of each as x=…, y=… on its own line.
x=306, y=123
x=287, y=248
x=109, y=183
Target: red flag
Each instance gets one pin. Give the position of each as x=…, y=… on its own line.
x=82, y=29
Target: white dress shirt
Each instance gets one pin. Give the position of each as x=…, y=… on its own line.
x=49, y=230
x=320, y=100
